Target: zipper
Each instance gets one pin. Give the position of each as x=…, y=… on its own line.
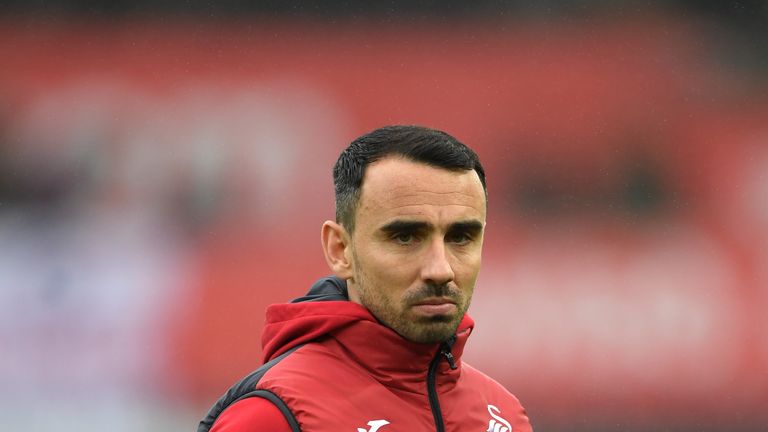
x=434, y=403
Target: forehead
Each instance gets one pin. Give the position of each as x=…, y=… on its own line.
x=395, y=187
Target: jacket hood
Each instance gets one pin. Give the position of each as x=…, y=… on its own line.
x=324, y=309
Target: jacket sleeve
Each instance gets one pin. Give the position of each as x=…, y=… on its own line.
x=253, y=414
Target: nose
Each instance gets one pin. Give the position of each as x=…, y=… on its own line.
x=436, y=268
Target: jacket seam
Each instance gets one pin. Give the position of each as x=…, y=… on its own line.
x=279, y=403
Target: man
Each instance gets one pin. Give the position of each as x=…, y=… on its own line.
x=378, y=346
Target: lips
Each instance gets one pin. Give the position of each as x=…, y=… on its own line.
x=435, y=307
x=435, y=301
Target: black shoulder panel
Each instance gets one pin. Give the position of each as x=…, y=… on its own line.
x=246, y=388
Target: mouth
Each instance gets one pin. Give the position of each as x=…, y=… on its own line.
x=435, y=306
x=434, y=301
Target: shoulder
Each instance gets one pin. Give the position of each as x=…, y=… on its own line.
x=275, y=385
x=315, y=366
x=252, y=415
x=479, y=379
x=248, y=389
x=497, y=399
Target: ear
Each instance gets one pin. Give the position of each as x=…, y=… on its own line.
x=336, y=244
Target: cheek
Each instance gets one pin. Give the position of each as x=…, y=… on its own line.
x=389, y=274
x=466, y=270
x=465, y=277
x=396, y=276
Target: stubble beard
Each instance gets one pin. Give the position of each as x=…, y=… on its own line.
x=426, y=330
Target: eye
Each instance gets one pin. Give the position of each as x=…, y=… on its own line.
x=404, y=238
x=459, y=238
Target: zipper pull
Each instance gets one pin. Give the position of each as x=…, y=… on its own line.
x=446, y=352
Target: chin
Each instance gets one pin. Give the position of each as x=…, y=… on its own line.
x=437, y=329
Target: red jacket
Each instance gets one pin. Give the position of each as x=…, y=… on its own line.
x=331, y=366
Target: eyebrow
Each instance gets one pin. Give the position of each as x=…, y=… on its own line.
x=399, y=226
x=469, y=226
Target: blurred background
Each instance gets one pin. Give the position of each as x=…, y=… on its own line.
x=165, y=168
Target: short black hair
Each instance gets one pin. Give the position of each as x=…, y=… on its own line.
x=415, y=143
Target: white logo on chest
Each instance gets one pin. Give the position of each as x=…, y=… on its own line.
x=497, y=423
x=375, y=425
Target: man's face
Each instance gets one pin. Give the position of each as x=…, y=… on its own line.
x=416, y=246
